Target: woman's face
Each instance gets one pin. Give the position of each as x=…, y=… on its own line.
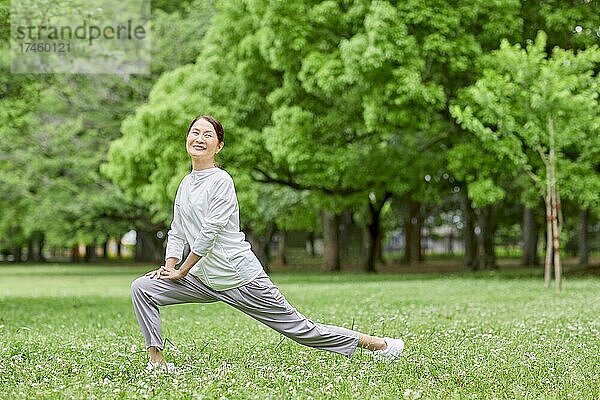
x=202, y=140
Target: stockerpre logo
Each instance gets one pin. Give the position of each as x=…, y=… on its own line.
x=80, y=36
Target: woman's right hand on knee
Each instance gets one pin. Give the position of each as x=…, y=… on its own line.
x=156, y=273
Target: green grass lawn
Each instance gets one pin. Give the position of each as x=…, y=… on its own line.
x=70, y=332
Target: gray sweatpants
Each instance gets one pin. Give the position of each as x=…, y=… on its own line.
x=260, y=299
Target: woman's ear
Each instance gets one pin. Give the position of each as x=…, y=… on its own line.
x=220, y=146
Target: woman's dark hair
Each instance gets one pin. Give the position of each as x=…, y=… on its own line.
x=214, y=122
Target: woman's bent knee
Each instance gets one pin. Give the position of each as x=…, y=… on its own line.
x=140, y=284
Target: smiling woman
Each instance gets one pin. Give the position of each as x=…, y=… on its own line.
x=221, y=265
x=204, y=141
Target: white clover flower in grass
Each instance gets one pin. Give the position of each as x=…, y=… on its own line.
x=412, y=394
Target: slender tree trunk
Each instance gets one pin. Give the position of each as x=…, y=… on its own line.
x=488, y=228
x=119, y=248
x=311, y=244
x=261, y=245
x=266, y=243
x=471, y=250
x=331, y=241
x=31, y=251
x=530, y=237
x=148, y=247
x=281, y=253
x=105, y=249
x=379, y=246
x=18, y=253
x=40, y=248
x=553, y=212
x=584, y=248
x=374, y=232
x=90, y=253
x=413, y=228
x=556, y=235
x=141, y=253
x=374, y=228
x=548, y=263
x=75, y=256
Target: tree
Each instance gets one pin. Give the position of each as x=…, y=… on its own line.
x=540, y=113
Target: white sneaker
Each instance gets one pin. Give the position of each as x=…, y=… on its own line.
x=394, y=349
x=169, y=368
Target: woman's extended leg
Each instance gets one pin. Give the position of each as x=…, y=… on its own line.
x=262, y=300
x=149, y=293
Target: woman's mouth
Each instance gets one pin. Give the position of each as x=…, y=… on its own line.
x=199, y=147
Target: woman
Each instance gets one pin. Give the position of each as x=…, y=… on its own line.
x=221, y=266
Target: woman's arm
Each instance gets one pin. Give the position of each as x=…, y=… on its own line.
x=175, y=237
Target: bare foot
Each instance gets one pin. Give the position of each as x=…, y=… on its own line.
x=371, y=342
x=155, y=355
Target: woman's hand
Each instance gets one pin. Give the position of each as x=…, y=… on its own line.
x=156, y=273
x=166, y=272
x=171, y=273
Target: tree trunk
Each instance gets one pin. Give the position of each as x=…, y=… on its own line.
x=374, y=228
x=18, y=253
x=31, y=251
x=75, y=256
x=40, y=248
x=584, y=248
x=105, y=249
x=379, y=246
x=374, y=233
x=119, y=248
x=471, y=250
x=281, y=256
x=148, y=247
x=450, y=243
x=331, y=246
x=261, y=245
x=311, y=244
x=530, y=238
x=556, y=235
x=553, y=202
x=487, y=224
x=413, y=226
x=90, y=253
x=548, y=262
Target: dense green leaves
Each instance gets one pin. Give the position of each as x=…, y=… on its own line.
x=521, y=94
x=326, y=105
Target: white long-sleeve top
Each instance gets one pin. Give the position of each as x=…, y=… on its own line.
x=206, y=215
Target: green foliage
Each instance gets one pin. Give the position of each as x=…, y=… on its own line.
x=520, y=93
x=325, y=104
x=55, y=133
x=485, y=192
